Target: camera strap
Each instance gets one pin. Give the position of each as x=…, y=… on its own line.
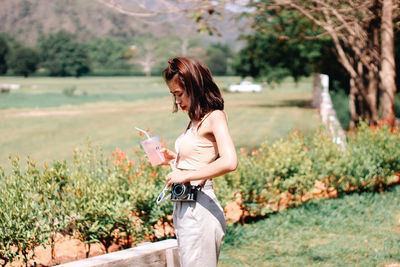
x=201, y=185
x=163, y=195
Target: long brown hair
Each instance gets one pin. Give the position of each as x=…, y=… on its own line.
x=196, y=79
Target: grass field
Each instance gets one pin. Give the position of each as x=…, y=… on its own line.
x=355, y=230
x=49, y=117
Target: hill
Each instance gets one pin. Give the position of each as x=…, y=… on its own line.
x=26, y=20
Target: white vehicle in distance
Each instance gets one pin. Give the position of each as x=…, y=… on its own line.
x=245, y=86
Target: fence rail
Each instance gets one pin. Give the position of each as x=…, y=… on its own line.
x=162, y=253
x=322, y=100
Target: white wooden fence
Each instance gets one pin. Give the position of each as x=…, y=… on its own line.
x=163, y=253
x=322, y=100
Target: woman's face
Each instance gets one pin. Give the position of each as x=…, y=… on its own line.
x=181, y=97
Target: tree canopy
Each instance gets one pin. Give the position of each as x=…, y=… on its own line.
x=281, y=45
x=108, y=53
x=3, y=53
x=218, y=58
x=361, y=33
x=62, y=56
x=23, y=60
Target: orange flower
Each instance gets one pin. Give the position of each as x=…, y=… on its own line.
x=242, y=150
x=394, y=130
x=255, y=152
x=121, y=155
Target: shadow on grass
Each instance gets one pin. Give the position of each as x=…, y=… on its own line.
x=286, y=103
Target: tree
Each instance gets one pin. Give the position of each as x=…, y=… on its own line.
x=108, y=54
x=218, y=56
x=277, y=48
x=362, y=33
x=397, y=57
x=62, y=56
x=150, y=52
x=387, y=73
x=3, y=53
x=23, y=60
x=77, y=60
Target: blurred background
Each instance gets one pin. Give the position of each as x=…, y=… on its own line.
x=74, y=71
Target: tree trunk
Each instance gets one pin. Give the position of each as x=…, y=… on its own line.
x=147, y=71
x=387, y=72
x=373, y=70
x=366, y=78
x=353, y=105
x=148, y=64
x=372, y=96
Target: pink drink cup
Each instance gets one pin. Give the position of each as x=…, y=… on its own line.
x=152, y=147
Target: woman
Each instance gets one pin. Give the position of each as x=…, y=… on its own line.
x=204, y=151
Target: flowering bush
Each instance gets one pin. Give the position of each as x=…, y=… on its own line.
x=111, y=200
x=289, y=172
x=96, y=199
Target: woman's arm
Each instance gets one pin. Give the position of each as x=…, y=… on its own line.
x=168, y=155
x=227, y=160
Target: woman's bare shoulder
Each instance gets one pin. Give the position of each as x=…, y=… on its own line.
x=218, y=118
x=218, y=115
x=215, y=118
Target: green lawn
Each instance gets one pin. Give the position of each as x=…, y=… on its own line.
x=53, y=92
x=45, y=121
x=354, y=230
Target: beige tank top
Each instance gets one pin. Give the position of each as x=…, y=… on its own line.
x=193, y=150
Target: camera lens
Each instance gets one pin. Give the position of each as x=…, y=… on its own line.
x=179, y=189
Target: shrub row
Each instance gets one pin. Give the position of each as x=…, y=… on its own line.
x=111, y=200
x=289, y=172
x=95, y=199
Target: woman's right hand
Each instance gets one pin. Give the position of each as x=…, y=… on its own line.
x=168, y=155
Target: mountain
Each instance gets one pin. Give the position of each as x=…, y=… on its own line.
x=26, y=20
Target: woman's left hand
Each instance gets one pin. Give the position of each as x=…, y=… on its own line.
x=177, y=177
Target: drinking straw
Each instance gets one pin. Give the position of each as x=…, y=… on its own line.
x=143, y=131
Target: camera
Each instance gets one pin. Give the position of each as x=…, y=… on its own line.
x=183, y=192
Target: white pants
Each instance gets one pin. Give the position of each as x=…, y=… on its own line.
x=200, y=228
